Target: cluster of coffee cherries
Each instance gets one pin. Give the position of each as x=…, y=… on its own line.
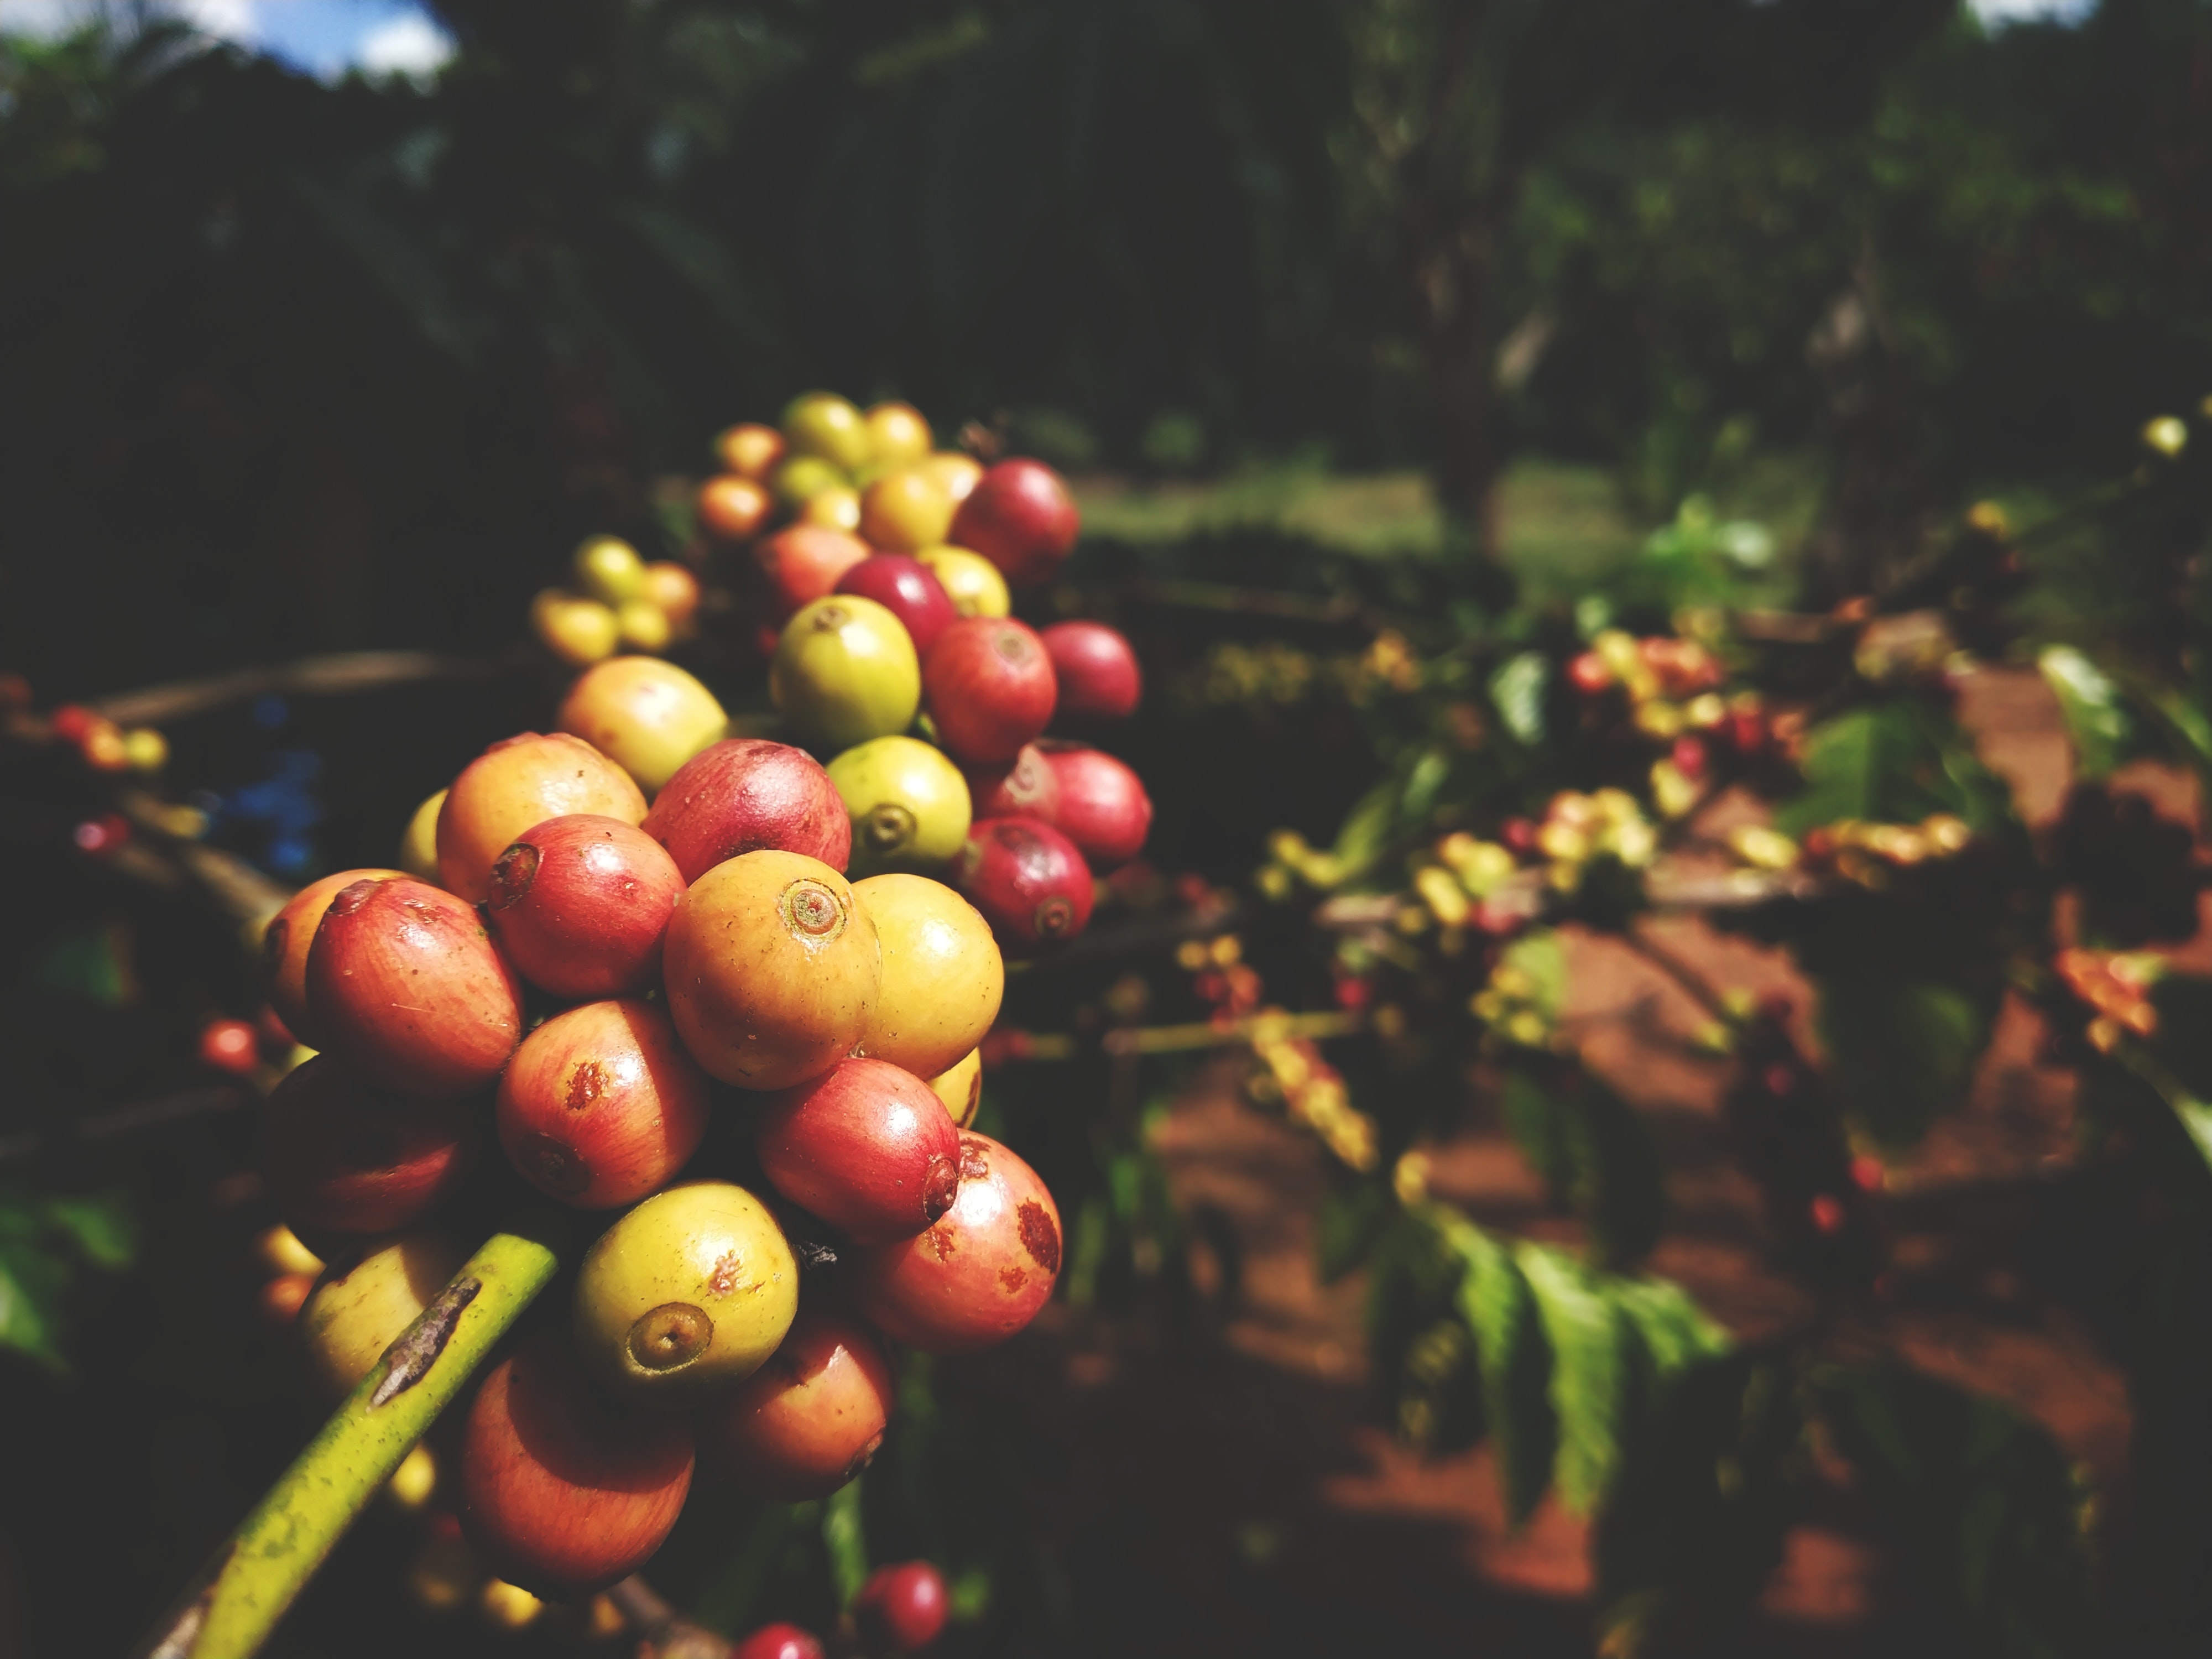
x=1868, y=855
x=590, y=982
x=830, y=486
x=2117, y=987
x=1671, y=689
x=619, y=602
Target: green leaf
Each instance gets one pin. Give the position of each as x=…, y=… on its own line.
x=1589, y=1372
x=1597, y=1158
x=1903, y=1047
x=102, y=1227
x=1539, y=954
x=1674, y=1331
x=1367, y=827
x=845, y=1541
x=1993, y=1516
x=31, y=1288
x=1894, y=762
x=1518, y=690
x=1694, y=1525
x=1496, y=1302
x=2094, y=709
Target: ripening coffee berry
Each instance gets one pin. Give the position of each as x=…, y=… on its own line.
x=359, y=1309
x=512, y=785
x=579, y=905
x=342, y=1155
x=942, y=973
x=808, y=1420
x=601, y=1104
x=865, y=1146
x=285, y=941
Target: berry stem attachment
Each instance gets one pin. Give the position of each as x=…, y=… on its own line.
x=230, y=1609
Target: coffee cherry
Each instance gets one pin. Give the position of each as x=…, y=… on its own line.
x=908, y=804
x=404, y=982
x=278, y=1249
x=418, y=842
x=608, y=569
x=580, y=904
x=904, y=510
x=990, y=687
x=942, y=973
x=601, y=1105
x=685, y=1295
x=808, y=1420
x=578, y=630
x=642, y=625
x=903, y=1608
x=343, y=1156
x=823, y=423
x=960, y=1086
x=646, y=716
x=803, y=564
x=1103, y=807
x=1024, y=788
x=523, y=780
x=1029, y=881
x=1096, y=669
x=732, y=509
x=675, y=589
x=846, y=671
x=978, y=1275
x=779, y=1642
x=798, y=479
x=836, y=508
x=358, y=1311
x=956, y=471
x=908, y=589
x=1020, y=517
x=865, y=1146
x=230, y=1045
x=280, y=1299
x=897, y=434
x=971, y=582
x=285, y=942
x=771, y=968
x=561, y=1492
x=749, y=795
x=749, y=450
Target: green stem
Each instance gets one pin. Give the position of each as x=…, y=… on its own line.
x=230, y=1609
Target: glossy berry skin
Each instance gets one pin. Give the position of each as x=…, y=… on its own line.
x=404, y=982
x=562, y=1491
x=748, y=449
x=285, y=943
x=804, y=563
x=903, y=1606
x=905, y=510
x=684, y=1296
x=909, y=804
x=601, y=1105
x=579, y=905
x=749, y=795
x=515, y=784
x=960, y=1086
x=1103, y=807
x=990, y=687
x=1024, y=788
x=978, y=1275
x=809, y=1419
x=971, y=582
x=898, y=434
x=648, y=717
x=343, y=1156
x=771, y=967
x=943, y=976
x=1021, y=517
x=844, y=672
x=230, y=1045
x=779, y=1642
x=1096, y=667
x=908, y=589
x=867, y=1147
x=1029, y=881
x=734, y=508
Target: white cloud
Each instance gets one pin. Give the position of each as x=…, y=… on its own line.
x=227, y=20
x=408, y=43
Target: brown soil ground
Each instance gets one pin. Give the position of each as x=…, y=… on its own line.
x=1344, y=1543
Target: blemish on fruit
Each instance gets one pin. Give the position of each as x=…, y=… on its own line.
x=511, y=874
x=585, y=1085
x=1054, y=916
x=554, y=1165
x=724, y=1278
x=811, y=910
x=1040, y=1236
x=942, y=1241
x=940, y=1186
x=1011, y=1279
